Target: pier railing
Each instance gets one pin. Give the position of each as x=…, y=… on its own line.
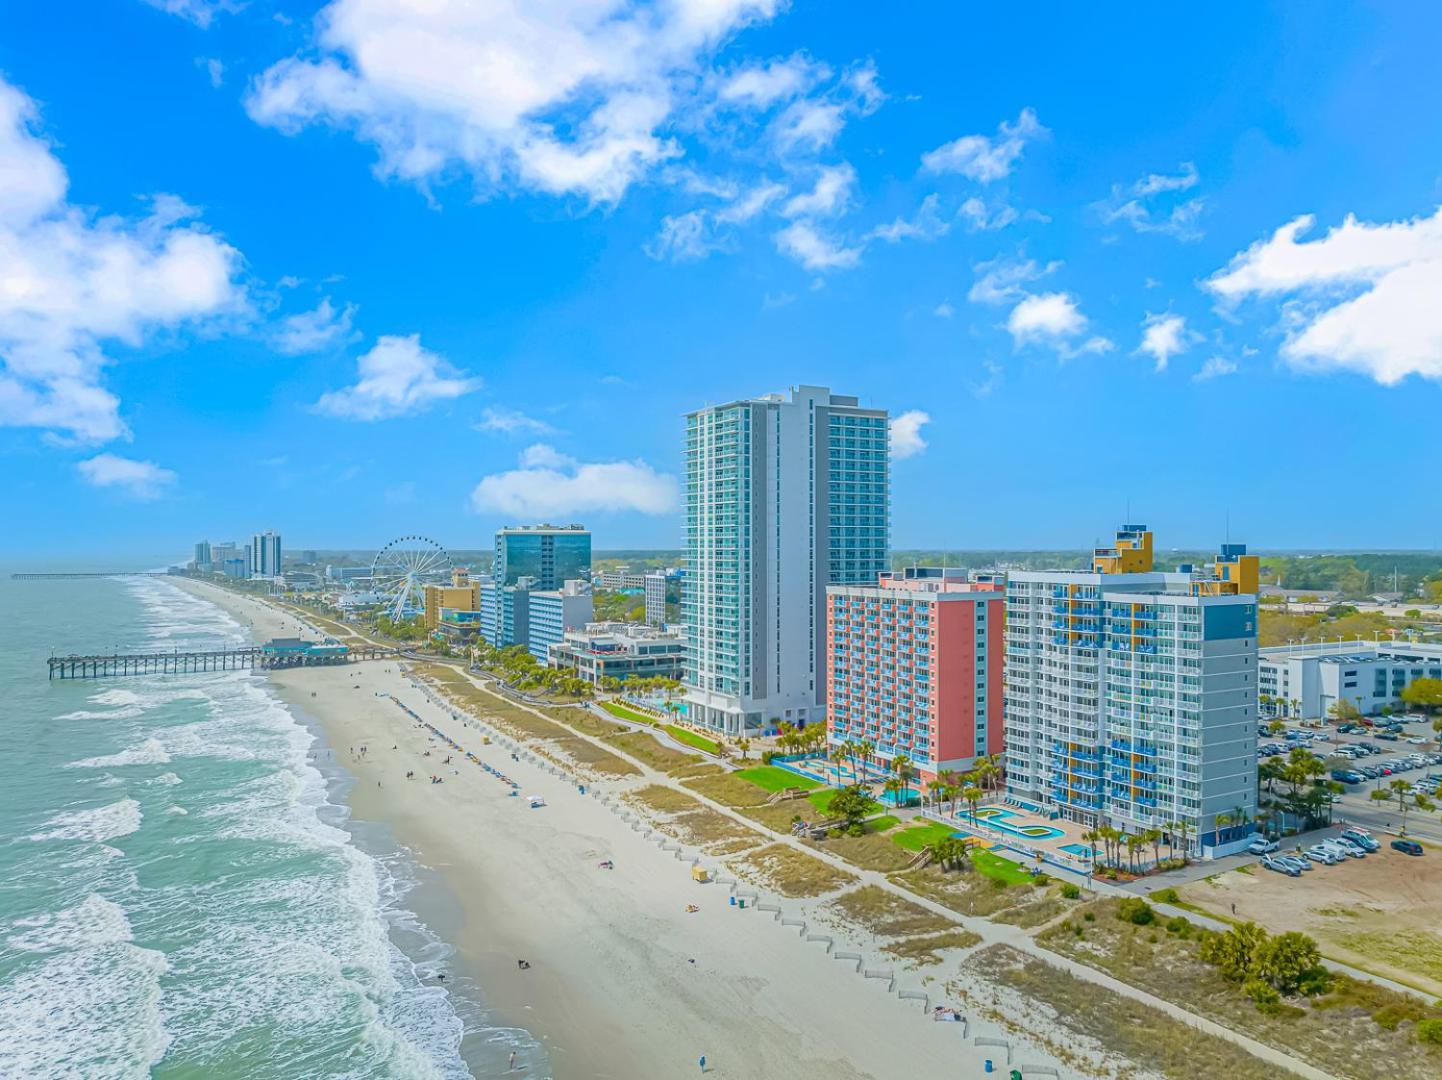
x=188, y=662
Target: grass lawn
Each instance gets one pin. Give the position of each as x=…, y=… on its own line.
x=999, y=869
x=822, y=800
x=882, y=823
x=917, y=837
x=770, y=778
x=690, y=738
x=624, y=713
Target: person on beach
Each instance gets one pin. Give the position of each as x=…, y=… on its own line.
x=702, y=1063
x=512, y=1063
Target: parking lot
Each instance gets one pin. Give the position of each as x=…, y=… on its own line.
x=1377, y=760
x=1380, y=913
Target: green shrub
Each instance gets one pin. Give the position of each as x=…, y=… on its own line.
x=1429, y=1032
x=1041, y=881
x=1179, y=924
x=1090, y=916
x=1070, y=891
x=1264, y=994
x=1166, y=896
x=1136, y=911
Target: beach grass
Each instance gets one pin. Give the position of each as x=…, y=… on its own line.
x=790, y=872
x=870, y=851
x=664, y=800
x=927, y=949
x=644, y=748
x=585, y=721
x=770, y=778
x=704, y=768
x=1144, y=1036
x=729, y=790
x=883, y=912
x=585, y=752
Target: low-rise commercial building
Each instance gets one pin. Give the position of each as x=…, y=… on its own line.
x=1308, y=680
x=914, y=668
x=462, y=594
x=620, y=651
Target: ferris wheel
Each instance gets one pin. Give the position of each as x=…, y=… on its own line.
x=403, y=568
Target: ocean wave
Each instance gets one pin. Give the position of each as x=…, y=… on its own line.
x=114, y=697
x=98, y=824
x=168, y=779
x=89, y=1004
x=151, y=752
x=129, y=712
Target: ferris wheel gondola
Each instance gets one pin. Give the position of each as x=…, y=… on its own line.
x=403, y=568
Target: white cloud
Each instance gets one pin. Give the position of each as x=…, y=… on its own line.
x=549, y=485
x=1055, y=321
x=562, y=96
x=1215, y=368
x=985, y=159
x=314, y=331
x=1164, y=336
x=989, y=385
x=1000, y=280
x=906, y=440
x=214, y=70
x=142, y=480
x=927, y=225
x=1138, y=205
x=1363, y=297
x=398, y=377
x=814, y=250
x=979, y=218
x=72, y=282
x=200, y=12
x=830, y=196
x=684, y=238
x=944, y=310
x=759, y=86
x=746, y=207
x=809, y=125
x=510, y=422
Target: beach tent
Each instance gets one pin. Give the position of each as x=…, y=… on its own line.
x=535, y=801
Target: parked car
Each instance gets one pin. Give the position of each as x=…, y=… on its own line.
x=1299, y=861
x=1407, y=847
x=1390, y=736
x=1347, y=846
x=1271, y=862
x=1347, y=776
x=1361, y=837
x=1317, y=853
x=1416, y=740
x=1262, y=846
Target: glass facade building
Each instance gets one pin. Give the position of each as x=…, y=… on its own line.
x=550, y=555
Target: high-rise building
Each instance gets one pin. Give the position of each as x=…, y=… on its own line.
x=551, y=612
x=548, y=554
x=203, y=556
x=655, y=586
x=785, y=495
x=914, y=668
x=265, y=555
x=1131, y=694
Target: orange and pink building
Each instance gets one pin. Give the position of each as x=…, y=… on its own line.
x=915, y=667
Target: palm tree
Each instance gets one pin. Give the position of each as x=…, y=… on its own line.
x=972, y=795
x=1091, y=836
x=744, y=745
x=983, y=771
x=1135, y=843
x=1221, y=823
x=838, y=755
x=893, y=787
x=1154, y=837
x=903, y=770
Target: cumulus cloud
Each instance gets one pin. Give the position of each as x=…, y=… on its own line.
x=698, y=233
x=983, y=158
x=74, y=282
x=1152, y=205
x=551, y=485
x=314, y=331
x=398, y=377
x=143, y=480
x=978, y=217
x=510, y=422
x=906, y=440
x=1164, y=336
x=1362, y=298
x=562, y=97
x=944, y=310
x=1002, y=280
x=814, y=249
x=1055, y=321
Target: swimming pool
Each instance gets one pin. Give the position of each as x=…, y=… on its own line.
x=997, y=818
x=1080, y=850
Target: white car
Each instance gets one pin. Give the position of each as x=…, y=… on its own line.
x=1416, y=740
x=1262, y=846
x=1346, y=847
x=1317, y=853
x=1281, y=866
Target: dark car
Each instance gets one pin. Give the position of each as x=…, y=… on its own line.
x=1390, y=736
x=1407, y=847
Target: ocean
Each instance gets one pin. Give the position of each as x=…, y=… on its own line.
x=181, y=891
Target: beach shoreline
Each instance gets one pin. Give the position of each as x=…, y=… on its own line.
x=623, y=980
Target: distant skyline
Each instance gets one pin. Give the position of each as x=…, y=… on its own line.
x=249, y=282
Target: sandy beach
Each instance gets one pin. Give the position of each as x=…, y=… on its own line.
x=623, y=981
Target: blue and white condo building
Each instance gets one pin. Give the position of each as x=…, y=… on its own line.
x=1131, y=694
x=785, y=495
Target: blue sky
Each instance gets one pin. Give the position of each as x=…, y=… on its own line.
x=350, y=271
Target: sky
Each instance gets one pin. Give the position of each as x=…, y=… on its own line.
x=369, y=268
